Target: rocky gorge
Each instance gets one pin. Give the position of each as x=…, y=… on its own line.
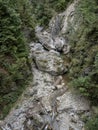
x=49, y=103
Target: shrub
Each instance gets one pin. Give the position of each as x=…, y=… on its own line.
x=84, y=49
x=14, y=69
x=92, y=124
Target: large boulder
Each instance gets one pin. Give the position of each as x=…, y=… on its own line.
x=46, y=40
x=48, y=61
x=61, y=44
x=53, y=43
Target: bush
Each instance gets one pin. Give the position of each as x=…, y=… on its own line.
x=14, y=63
x=84, y=49
x=61, y=5
x=92, y=124
x=46, y=9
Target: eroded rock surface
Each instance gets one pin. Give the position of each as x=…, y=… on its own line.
x=43, y=105
x=50, y=42
x=48, y=103
x=48, y=61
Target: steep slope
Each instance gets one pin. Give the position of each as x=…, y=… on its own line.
x=69, y=45
x=14, y=63
x=48, y=103
x=82, y=34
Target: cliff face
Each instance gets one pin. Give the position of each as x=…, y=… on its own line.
x=49, y=102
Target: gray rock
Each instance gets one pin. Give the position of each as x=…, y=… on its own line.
x=68, y=17
x=50, y=62
x=45, y=102
x=7, y=127
x=55, y=25
x=36, y=47
x=73, y=101
x=51, y=42
x=59, y=43
x=38, y=29
x=46, y=40
x=66, y=49
x=55, y=43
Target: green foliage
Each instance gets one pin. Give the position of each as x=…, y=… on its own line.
x=92, y=124
x=43, y=10
x=84, y=49
x=88, y=10
x=86, y=87
x=42, y=14
x=59, y=5
x=14, y=63
x=18, y=17
x=96, y=63
x=83, y=84
x=24, y=9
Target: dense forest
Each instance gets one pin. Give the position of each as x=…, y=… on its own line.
x=17, y=22
x=84, y=54
x=14, y=62
x=84, y=50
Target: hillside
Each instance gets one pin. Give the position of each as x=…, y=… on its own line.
x=49, y=39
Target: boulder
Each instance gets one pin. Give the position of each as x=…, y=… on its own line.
x=59, y=43
x=48, y=61
x=66, y=49
x=46, y=40
x=55, y=43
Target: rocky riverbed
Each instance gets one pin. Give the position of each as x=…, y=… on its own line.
x=48, y=103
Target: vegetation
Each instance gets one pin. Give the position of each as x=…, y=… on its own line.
x=14, y=63
x=83, y=38
x=84, y=49
x=43, y=10
x=92, y=124
x=17, y=21
x=59, y=5
x=19, y=16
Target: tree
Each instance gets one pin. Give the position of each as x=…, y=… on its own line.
x=14, y=69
